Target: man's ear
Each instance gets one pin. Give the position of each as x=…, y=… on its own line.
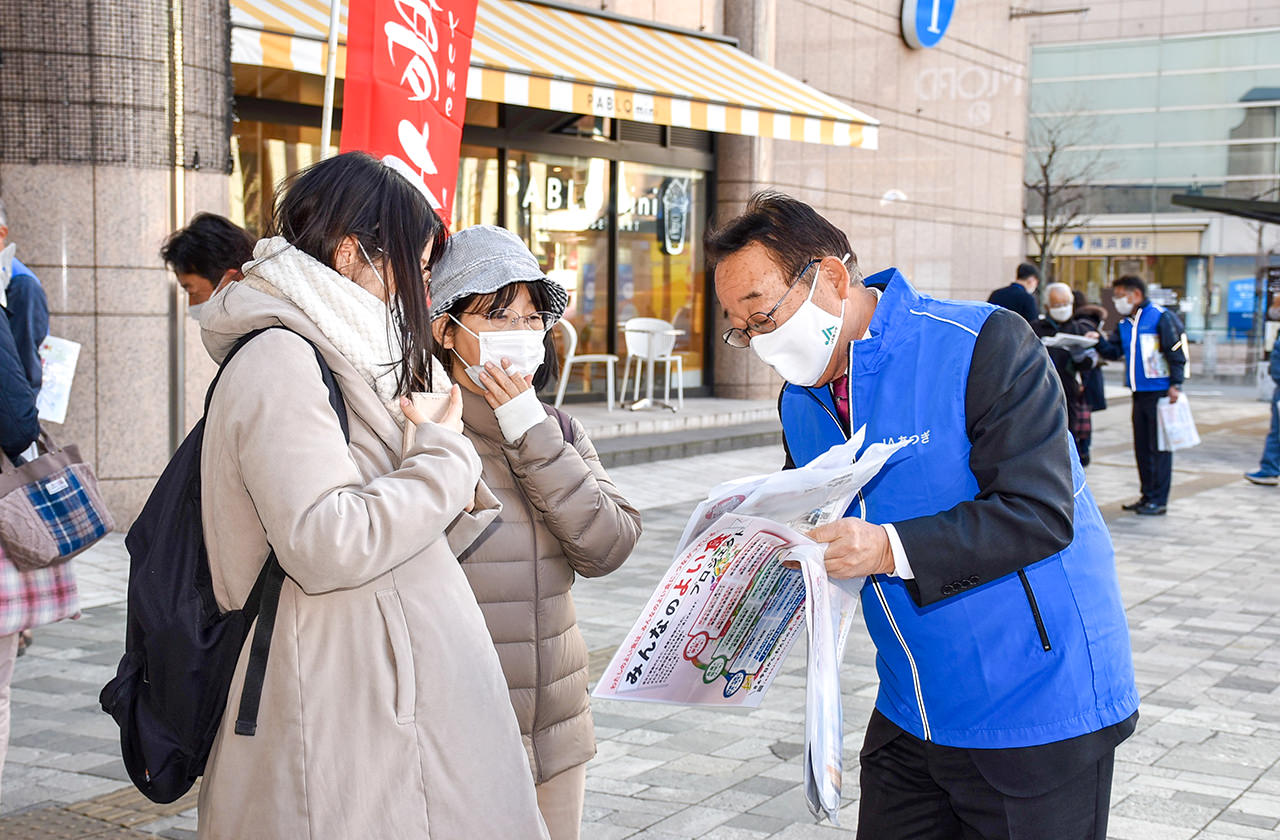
x=839, y=275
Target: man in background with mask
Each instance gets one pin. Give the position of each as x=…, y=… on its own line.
x=1150, y=340
x=206, y=253
x=989, y=583
x=1070, y=363
x=1268, y=471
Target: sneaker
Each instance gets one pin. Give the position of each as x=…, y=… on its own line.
x=1134, y=505
x=1151, y=509
x=1260, y=477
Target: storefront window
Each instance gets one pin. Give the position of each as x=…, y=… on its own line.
x=559, y=206
x=263, y=155
x=660, y=266
x=475, y=200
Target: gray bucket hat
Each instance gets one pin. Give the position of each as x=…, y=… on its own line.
x=483, y=259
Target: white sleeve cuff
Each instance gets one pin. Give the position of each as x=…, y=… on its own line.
x=901, y=566
x=519, y=415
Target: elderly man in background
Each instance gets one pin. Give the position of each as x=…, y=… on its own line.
x=1071, y=363
x=990, y=589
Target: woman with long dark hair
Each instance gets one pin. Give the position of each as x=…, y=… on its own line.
x=384, y=710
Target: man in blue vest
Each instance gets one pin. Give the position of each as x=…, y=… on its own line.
x=990, y=591
x=1150, y=340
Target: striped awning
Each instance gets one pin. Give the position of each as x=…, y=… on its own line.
x=560, y=59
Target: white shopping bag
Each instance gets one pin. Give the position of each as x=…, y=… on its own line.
x=1176, y=428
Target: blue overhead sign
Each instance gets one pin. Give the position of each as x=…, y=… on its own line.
x=924, y=22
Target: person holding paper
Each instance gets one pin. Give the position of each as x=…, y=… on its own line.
x=24, y=303
x=562, y=516
x=990, y=591
x=1150, y=340
x=1070, y=363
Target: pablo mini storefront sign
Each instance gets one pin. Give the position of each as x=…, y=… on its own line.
x=925, y=22
x=405, y=89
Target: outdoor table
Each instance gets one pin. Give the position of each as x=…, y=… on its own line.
x=649, y=401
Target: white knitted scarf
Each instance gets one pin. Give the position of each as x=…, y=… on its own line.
x=357, y=323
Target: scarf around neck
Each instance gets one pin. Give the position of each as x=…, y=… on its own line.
x=356, y=322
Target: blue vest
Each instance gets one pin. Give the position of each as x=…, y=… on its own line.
x=971, y=670
x=1145, y=368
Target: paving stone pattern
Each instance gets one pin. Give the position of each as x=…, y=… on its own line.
x=1201, y=586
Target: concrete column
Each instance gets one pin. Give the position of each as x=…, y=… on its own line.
x=98, y=162
x=744, y=165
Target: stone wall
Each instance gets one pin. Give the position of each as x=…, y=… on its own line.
x=87, y=172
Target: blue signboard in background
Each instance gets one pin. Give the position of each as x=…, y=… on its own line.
x=924, y=22
x=1240, y=302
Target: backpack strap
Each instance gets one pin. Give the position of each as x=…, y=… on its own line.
x=264, y=598
x=565, y=421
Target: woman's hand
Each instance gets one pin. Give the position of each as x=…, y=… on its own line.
x=500, y=386
x=451, y=419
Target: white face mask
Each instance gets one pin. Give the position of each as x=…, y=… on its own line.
x=1273, y=313
x=523, y=347
x=1061, y=314
x=194, y=310
x=1123, y=305
x=801, y=348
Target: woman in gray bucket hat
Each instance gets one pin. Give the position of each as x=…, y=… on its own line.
x=492, y=311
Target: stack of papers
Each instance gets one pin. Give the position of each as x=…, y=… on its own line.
x=744, y=581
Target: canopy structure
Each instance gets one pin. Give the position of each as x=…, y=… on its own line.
x=544, y=55
x=1259, y=211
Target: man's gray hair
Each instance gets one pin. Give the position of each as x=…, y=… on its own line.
x=1061, y=286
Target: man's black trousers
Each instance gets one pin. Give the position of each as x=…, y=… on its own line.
x=917, y=790
x=1155, y=468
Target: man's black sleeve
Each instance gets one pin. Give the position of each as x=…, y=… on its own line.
x=1110, y=347
x=1017, y=425
x=1171, y=337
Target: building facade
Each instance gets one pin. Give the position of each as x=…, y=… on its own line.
x=613, y=203
x=1179, y=97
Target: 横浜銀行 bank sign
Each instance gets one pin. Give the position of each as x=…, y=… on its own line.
x=925, y=22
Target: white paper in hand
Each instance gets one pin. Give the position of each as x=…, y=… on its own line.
x=58, y=369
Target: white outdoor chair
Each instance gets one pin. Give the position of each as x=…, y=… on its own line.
x=571, y=358
x=649, y=337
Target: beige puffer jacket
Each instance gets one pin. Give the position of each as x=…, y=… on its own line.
x=561, y=516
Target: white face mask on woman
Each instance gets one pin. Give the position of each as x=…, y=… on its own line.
x=524, y=348
x=801, y=348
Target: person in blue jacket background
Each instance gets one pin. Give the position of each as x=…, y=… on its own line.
x=1150, y=340
x=25, y=306
x=990, y=592
x=1268, y=471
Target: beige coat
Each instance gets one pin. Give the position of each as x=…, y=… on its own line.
x=384, y=713
x=561, y=515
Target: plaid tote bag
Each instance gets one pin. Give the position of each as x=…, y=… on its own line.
x=50, y=507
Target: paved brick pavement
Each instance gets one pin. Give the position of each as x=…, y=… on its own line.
x=1202, y=589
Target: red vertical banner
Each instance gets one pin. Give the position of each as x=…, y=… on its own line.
x=405, y=92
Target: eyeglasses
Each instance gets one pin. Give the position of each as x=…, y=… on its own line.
x=761, y=323
x=510, y=319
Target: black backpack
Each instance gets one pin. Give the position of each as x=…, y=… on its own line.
x=180, y=654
